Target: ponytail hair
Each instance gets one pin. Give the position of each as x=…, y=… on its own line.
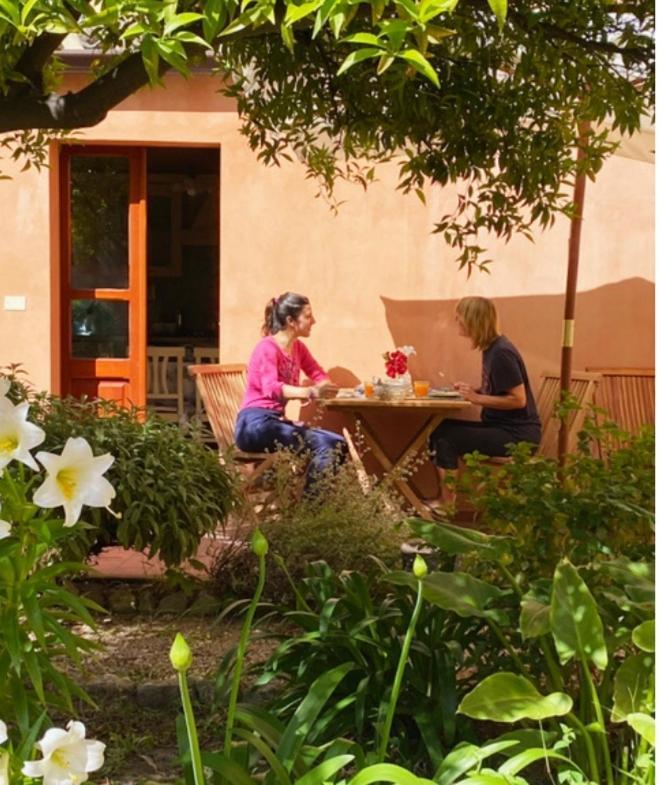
x=278, y=309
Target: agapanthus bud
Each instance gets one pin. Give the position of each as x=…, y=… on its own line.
x=181, y=656
x=259, y=543
x=419, y=567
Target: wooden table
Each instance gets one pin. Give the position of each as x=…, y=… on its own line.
x=434, y=410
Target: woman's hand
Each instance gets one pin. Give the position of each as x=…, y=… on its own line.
x=467, y=392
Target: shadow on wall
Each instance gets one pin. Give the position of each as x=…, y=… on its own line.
x=614, y=328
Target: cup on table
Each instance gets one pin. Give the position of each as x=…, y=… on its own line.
x=368, y=388
x=421, y=388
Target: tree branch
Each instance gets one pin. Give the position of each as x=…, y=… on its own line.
x=76, y=110
x=31, y=63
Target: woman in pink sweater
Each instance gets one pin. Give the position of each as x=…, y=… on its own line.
x=274, y=378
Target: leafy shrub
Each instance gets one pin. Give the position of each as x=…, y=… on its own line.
x=593, y=507
x=171, y=490
x=341, y=523
x=353, y=619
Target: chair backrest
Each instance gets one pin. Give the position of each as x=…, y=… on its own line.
x=627, y=395
x=165, y=380
x=583, y=387
x=221, y=388
x=201, y=356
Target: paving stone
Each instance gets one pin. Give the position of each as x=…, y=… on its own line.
x=174, y=603
x=110, y=686
x=205, y=605
x=121, y=600
x=157, y=694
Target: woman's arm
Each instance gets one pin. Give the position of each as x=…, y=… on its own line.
x=514, y=398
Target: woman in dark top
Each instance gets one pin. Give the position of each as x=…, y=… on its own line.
x=509, y=414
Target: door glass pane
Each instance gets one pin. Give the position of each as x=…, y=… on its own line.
x=99, y=222
x=99, y=328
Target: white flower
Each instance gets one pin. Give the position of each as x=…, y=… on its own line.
x=5, y=531
x=4, y=756
x=68, y=756
x=74, y=479
x=407, y=350
x=17, y=435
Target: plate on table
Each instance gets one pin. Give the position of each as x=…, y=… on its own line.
x=444, y=394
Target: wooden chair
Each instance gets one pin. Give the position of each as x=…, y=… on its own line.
x=627, y=395
x=221, y=389
x=165, y=381
x=583, y=386
x=204, y=355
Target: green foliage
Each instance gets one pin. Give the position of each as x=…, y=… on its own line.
x=475, y=93
x=171, y=490
x=37, y=611
x=596, y=618
x=341, y=523
x=348, y=617
x=593, y=507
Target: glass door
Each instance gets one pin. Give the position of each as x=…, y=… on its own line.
x=103, y=279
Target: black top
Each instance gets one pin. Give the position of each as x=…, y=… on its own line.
x=502, y=369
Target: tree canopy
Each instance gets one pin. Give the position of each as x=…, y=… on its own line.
x=458, y=91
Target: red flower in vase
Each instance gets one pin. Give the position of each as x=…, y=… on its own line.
x=397, y=362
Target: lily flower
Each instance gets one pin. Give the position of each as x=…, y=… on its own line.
x=68, y=757
x=5, y=531
x=74, y=479
x=4, y=755
x=17, y=435
x=3, y=732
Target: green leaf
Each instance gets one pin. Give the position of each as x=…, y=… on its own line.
x=385, y=61
x=325, y=770
x=535, y=619
x=296, y=12
x=632, y=686
x=231, y=771
x=453, y=591
x=320, y=691
x=456, y=540
x=364, y=38
x=575, y=622
x=490, y=777
x=357, y=57
x=643, y=635
x=518, y=762
x=508, y=697
x=255, y=740
x=644, y=725
x=499, y=7
x=420, y=63
x=287, y=37
x=386, y=772
x=465, y=757
x=181, y=20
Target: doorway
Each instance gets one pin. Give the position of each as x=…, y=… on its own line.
x=140, y=265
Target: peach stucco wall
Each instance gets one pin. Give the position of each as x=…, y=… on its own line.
x=375, y=273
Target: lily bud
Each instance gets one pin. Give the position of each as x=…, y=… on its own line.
x=419, y=567
x=181, y=656
x=259, y=543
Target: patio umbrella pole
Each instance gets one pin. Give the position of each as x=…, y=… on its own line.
x=572, y=277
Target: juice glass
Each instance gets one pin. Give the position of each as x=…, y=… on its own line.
x=421, y=388
x=368, y=387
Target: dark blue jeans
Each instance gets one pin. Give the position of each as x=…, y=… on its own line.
x=263, y=430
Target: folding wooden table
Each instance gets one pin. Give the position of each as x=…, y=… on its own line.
x=434, y=409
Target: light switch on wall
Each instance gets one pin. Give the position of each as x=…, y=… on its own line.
x=14, y=302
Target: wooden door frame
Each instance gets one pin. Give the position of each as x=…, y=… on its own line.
x=137, y=285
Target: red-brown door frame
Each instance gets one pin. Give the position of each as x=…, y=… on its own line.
x=132, y=368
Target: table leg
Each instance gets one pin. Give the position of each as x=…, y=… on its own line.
x=414, y=445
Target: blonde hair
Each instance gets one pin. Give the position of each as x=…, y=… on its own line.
x=480, y=317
